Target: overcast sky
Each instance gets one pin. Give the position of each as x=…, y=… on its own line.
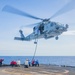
x=11, y=23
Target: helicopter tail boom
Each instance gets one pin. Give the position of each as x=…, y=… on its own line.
x=18, y=38
x=21, y=39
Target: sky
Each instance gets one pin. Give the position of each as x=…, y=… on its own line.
x=11, y=23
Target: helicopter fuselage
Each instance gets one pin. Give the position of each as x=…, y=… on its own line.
x=45, y=30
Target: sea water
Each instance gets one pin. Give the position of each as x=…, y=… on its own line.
x=54, y=60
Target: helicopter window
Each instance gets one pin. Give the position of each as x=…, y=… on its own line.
x=33, y=28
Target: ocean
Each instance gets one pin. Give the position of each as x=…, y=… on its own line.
x=53, y=60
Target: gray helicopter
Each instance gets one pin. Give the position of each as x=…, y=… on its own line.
x=44, y=29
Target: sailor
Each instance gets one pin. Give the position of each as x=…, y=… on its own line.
x=18, y=63
x=26, y=63
x=36, y=30
x=1, y=60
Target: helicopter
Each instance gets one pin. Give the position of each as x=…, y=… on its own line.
x=46, y=28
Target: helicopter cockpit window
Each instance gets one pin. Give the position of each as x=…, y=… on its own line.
x=59, y=23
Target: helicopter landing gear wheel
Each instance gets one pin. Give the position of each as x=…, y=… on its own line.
x=56, y=37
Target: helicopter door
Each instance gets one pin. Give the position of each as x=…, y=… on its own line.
x=41, y=28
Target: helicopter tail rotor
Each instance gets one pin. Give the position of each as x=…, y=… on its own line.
x=22, y=36
x=21, y=33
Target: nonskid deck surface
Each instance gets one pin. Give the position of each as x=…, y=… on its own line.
x=41, y=70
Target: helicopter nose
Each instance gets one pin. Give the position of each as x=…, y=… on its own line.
x=65, y=27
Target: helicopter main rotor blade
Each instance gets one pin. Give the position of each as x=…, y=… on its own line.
x=13, y=10
x=68, y=7
x=31, y=25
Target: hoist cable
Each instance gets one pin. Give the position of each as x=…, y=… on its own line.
x=35, y=49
